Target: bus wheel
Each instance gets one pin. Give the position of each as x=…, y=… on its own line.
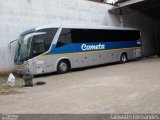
x=63, y=66
x=123, y=58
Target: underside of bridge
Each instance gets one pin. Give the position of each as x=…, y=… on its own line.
x=150, y=8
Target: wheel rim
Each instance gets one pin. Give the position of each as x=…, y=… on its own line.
x=63, y=66
x=124, y=58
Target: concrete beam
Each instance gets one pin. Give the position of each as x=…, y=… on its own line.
x=126, y=3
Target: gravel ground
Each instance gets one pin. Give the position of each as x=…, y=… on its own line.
x=133, y=87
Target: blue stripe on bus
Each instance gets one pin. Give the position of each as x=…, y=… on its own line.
x=19, y=63
x=76, y=47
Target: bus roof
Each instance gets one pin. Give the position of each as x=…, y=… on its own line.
x=80, y=26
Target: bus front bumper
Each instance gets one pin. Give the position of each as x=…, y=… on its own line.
x=22, y=69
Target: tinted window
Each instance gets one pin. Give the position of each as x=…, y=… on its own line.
x=48, y=37
x=83, y=36
x=95, y=35
x=41, y=43
x=64, y=38
x=116, y=35
x=38, y=45
x=80, y=35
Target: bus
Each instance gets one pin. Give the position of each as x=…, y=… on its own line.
x=60, y=48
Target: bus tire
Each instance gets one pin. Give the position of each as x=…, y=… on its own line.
x=63, y=66
x=123, y=58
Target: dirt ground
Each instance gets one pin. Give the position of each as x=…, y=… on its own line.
x=133, y=87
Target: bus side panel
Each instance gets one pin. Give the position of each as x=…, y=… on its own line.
x=117, y=53
x=103, y=57
x=83, y=59
x=138, y=53
x=92, y=58
x=130, y=54
x=39, y=65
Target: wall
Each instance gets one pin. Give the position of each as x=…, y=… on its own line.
x=19, y=15
x=147, y=27
x=157, y=26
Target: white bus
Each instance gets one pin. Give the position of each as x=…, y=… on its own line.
x=61, y=48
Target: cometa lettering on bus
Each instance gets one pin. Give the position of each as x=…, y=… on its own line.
x=86, y=47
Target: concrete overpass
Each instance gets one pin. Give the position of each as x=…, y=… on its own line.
x=150, y=8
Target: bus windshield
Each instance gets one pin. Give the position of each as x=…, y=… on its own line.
x=33, y=44
x=23, y=50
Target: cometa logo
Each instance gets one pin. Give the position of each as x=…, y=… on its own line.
x=85, y=47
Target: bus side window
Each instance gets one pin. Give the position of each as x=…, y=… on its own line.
x=82, y=35
x=64, y=38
